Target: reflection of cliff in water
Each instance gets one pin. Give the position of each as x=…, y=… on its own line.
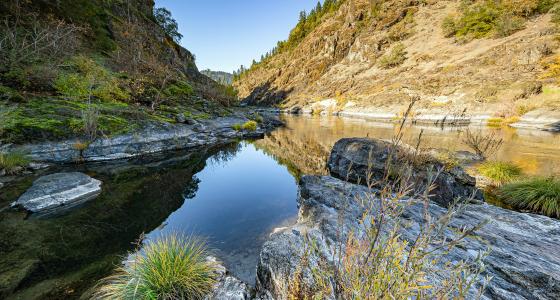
x=62, y=257
x=300, y=153
x=304, y=144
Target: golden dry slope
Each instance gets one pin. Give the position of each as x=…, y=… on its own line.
x=353, y=58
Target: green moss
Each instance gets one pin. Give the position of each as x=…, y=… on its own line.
x=541, y=195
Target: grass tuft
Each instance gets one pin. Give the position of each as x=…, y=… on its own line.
x=249, y=125
x=172, y=267
x=540, y=194
x=500, y=172
x=12, y=162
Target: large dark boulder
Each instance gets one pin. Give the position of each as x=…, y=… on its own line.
x=364, y=160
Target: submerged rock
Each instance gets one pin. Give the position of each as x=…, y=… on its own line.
x=58, y=191
x=523, y=262
x=227, y=286
x=356, y=159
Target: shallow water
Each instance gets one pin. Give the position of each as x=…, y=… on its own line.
x=233, y=195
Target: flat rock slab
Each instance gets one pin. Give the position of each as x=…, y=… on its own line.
x=57, y=191
x=523, y=260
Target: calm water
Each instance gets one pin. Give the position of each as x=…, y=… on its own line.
x=239, y=201
x=233, y=195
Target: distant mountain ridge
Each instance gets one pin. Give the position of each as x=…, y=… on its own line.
x=222, y=77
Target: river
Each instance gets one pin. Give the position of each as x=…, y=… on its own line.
x=233, y=195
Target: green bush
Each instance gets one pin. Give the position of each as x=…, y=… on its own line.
x=172, y=267
x=477, y=21
x=500, y=172
x=88, y=79
x=179, y=89
x=396, y=57
x=249, y=125
x=12, y=162
x=541, y=195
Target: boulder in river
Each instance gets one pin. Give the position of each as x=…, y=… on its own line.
x=523, y=262
x=59, y=191
x=357, y=159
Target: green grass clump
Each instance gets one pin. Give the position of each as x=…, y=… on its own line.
x=541, y=195
x=11, y=162
x=237, y=127
x=172, y=267
x=500, y=172
x=249, y=126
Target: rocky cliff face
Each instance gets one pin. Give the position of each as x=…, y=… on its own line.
x=373, y=55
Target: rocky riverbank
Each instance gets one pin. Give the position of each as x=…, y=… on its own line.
x=522, y=261
x=151, y=139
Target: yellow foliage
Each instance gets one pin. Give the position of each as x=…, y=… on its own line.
x=553, y=69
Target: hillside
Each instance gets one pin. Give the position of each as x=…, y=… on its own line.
x=90, y=68
x=494, y=58
x=221, y=77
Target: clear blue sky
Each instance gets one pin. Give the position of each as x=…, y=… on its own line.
x=225, y=34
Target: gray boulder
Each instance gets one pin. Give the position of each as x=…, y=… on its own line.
x=59, y=191
x=523, y=262
x=363, y=159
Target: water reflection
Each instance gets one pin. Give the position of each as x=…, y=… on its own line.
x=242, y=196
x=304, y=144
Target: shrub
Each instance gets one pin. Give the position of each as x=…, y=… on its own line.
x=507, y=24
x=179, y=89
x=500, y=172
x=541, y=195
x=396, y=57
x=249, y=125
x=88, y=80
x=237, y=127
x=13, y=162
x=484, y=145
x=172, y=267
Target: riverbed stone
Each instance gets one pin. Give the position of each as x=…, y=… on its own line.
x=523, y=262
x=57, y=191
x=363, y=159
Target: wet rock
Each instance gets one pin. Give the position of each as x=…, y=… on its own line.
x=227, y=286
x=59, y=191
x=523, y=261
x=356, y=159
